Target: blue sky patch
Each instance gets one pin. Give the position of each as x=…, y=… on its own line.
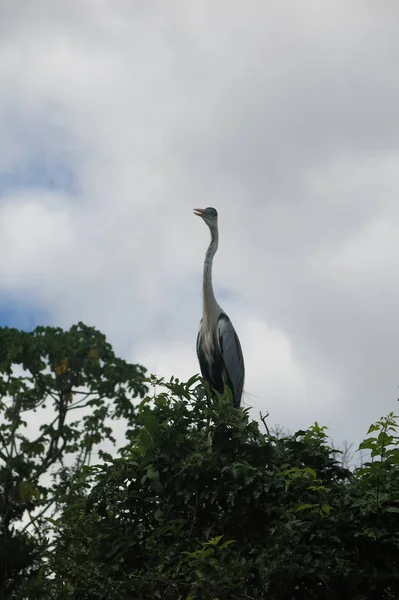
x=47, y=156
x=16, y=313
x=39, y=172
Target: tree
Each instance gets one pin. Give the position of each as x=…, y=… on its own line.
x=202, y=505
x=71, y=385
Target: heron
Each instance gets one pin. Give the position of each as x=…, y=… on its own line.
x=218, y=347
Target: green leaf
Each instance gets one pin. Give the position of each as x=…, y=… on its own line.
x=373, y=428
x=304, y=507
x=158, y=515
x=157, y=486
x=326, y=509
x=368, y=444
x=153, y=475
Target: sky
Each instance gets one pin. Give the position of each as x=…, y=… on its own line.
x=117, y=118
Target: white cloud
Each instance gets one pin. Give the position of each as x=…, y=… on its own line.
x=35, y=233
x=284, y=117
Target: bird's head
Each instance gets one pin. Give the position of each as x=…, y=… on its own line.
x=210, y=216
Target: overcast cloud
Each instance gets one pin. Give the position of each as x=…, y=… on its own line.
x=117, y=118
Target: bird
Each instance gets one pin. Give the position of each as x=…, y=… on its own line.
x=218, y=347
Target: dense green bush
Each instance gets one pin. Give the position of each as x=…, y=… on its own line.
x=201, y=504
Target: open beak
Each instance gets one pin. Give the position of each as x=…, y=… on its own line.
x=200, y=212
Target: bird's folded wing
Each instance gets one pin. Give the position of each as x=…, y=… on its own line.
x=230, y=349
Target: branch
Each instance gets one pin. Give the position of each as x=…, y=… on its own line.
x=35, y=518
x=48, y=461
x=42, y=435
x=15, y=418
x=79, y=461
x=52, y=457
x=78, y=403
x=5, y=456
x=263, y=419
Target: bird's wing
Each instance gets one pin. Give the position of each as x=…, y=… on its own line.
x=210, y=359
x=230, y=349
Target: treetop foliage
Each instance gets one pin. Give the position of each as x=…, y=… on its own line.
x=198, y=504
x=202, y=505
x=72, y=385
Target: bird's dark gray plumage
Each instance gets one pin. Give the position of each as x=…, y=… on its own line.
x=218, y=347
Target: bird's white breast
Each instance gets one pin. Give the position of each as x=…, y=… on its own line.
x=208, y=340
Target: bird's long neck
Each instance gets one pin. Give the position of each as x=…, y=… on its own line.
x=209, y=303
